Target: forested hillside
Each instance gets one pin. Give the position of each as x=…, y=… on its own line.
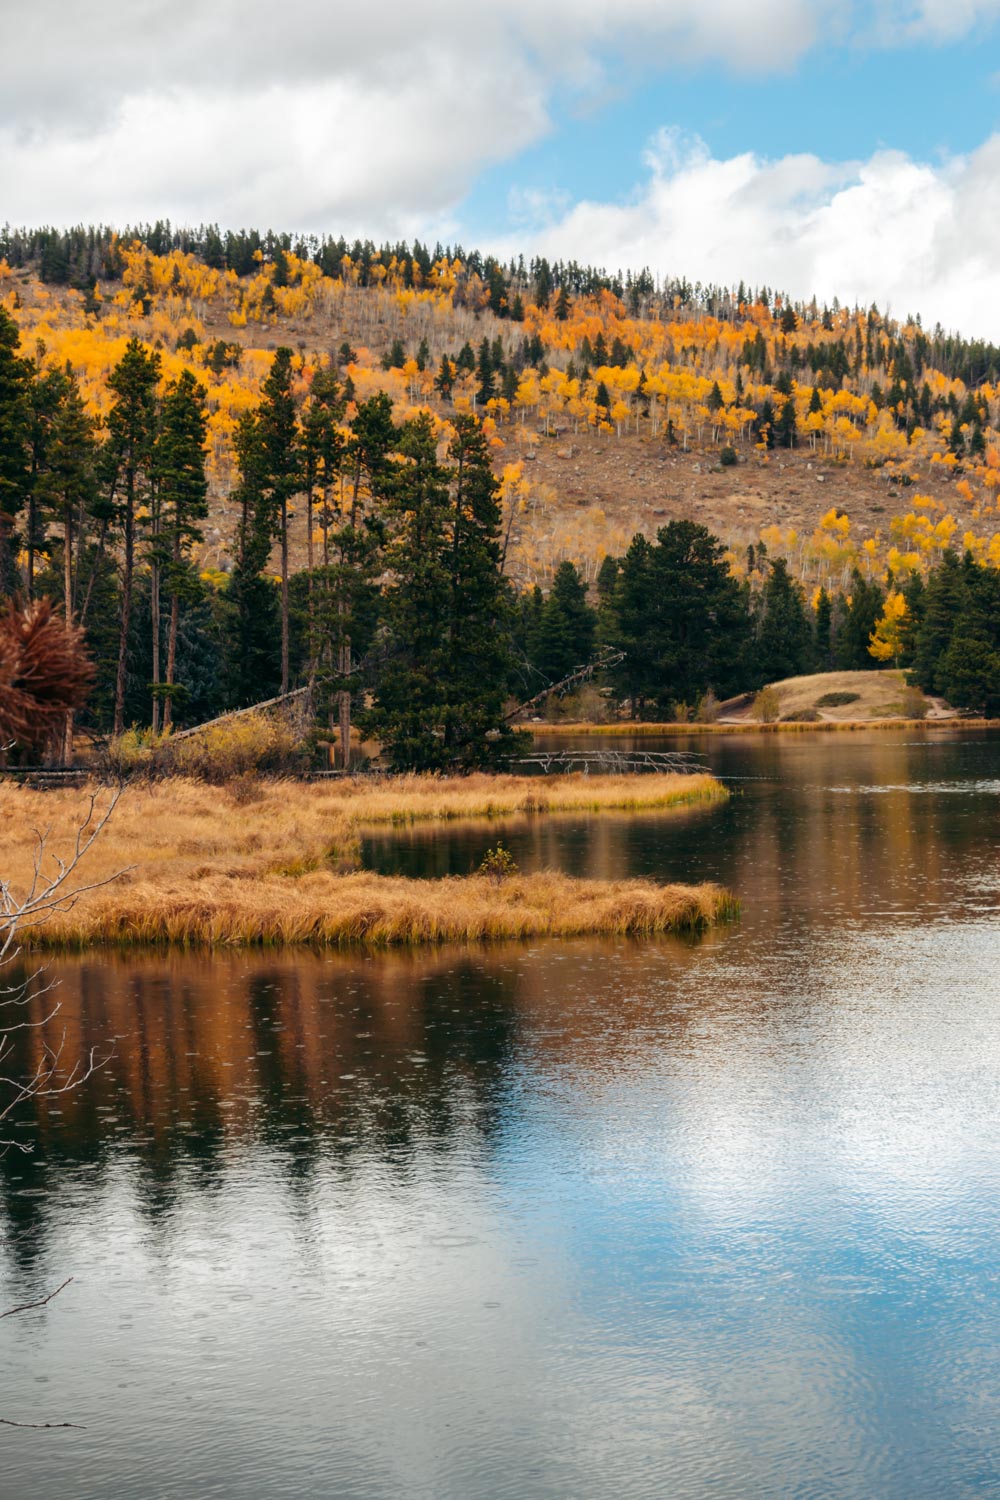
x=251, y=439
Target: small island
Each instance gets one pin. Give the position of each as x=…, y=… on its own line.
x=275, y=862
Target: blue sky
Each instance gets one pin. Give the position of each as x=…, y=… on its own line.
x=930, y=100
x=822, y=146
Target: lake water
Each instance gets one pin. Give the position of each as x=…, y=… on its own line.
x=565, y=1220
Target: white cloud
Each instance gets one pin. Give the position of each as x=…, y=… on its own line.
x=894, y=21
x=377, y=119
x=906, y=235
x=364, y=117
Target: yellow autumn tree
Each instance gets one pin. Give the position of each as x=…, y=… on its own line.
x=886, y=640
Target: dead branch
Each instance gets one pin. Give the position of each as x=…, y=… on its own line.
x=42, y=1302
x=6, y=1422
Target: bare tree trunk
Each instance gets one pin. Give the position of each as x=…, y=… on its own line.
x=32, y=522
x=175, y=610
x=345, y=706
x=154, y=610
x=284, y=596
x=120, y=678
x=67, y=753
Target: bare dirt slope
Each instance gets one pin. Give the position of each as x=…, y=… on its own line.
x=873, y=695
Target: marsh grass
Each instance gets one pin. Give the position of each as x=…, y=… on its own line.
x=203, y=865
x=379, y=911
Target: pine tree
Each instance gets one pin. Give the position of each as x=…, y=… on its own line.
x=15, y=381
x=855, y=634
x=45, y=391
x=411, y=692
x=281, y=458
x=440, y=694
x=66, y=492
x=444, y=380
x=484, y=370
x=322, y=451
x=129, y=460
x=351, y=557
x=183, y=490
x=681, y=618
x=823, y=631
x=784, y=640
x=566, y=628
x=562, y=305
x=784, y=432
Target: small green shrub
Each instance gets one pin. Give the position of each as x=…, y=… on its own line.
x=728, y=457
x=498, y=865
x=801, y=716
x=837, y=700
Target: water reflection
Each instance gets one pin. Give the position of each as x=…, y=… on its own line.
x=710, y=1219
x=860, y=820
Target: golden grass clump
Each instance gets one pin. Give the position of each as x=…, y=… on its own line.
x=204, y=864
x=381, y=911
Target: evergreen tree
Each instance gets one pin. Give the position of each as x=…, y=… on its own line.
x=602, y=398
x=15, y=418
x=765, y=424
x=682, y=619
x=322, y=451
x=784, y=432
x=65, y=490
x=855, y=634
x=564, y=638
x=440, y=693
x=823, y=632
x=784, y=641
x=969, y=672
x=129, y=461
x=562, y=305
x=444, y=380
x=484, y=370
x=281, y=471
x=943, y=600
x=348, y=594
x=970, y=675
x=183, y=491
x=45, y=392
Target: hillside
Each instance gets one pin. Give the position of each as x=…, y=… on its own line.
x=856, y=440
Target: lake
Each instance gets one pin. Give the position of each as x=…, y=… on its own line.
x=713, y=1218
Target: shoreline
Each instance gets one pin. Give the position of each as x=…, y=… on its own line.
x=622, y=728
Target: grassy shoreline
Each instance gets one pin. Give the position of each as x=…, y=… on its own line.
x=273, y=864
x=621, y=729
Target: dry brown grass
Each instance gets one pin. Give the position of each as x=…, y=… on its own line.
x=380, y=911
x=207, y=865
